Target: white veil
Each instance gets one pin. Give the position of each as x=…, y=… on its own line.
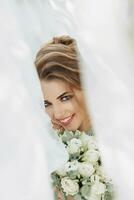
x=105, y=35
x=26, y=138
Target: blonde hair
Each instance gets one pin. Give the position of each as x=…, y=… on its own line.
x=59, y=59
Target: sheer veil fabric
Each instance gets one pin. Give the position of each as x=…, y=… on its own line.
x=26, y=138
x=29, y=150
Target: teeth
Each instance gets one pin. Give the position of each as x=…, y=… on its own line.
x=66, y=119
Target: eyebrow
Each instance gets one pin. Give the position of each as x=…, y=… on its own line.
x=61, y=95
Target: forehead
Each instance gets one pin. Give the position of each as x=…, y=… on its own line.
x=54, y=88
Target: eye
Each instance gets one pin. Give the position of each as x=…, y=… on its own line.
x=46, y=104
x=65, y=98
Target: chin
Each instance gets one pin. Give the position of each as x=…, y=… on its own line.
x=73, y=128
x=76, y=124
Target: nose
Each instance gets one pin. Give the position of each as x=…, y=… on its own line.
x=59, y=112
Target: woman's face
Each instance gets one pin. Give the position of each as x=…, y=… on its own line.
x=65, y=105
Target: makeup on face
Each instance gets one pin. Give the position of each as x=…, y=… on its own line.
x=64, y=105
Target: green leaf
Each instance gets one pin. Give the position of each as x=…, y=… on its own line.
x=109, y=196
x=109, y=187
x=56, y=179
x=85, y=191
x=72, y=174
x=84, y=181
x=74, y=156
x=77, y=134
x=67, y=136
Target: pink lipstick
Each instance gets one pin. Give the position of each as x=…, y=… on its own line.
x=66, y=121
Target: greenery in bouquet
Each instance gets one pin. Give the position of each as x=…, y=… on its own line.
x=82, y=176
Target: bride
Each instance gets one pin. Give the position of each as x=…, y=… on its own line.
x=59, y=72
x=58, y=68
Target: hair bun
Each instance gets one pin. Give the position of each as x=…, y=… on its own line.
x=66, y=40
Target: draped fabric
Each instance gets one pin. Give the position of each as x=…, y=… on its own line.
x=26, y=137
x=29, y=150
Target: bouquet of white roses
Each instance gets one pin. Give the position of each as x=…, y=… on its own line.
x=82, y=177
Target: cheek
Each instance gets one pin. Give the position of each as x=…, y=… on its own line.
x=49, y=112
x=76, y=107
x=71, y=105
x=79, y=105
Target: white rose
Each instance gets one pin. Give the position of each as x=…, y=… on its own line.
x=102, y=174
x=86, y=169
x=71, y=166
x=91, y=156
x=100, y=171
x=98, y=188
x=84, y=139
x=69, y=186
x=94, y=197
x=74, y=146
x=88, y=141
x=92, y=143
x=61, y=171
x=95, y=178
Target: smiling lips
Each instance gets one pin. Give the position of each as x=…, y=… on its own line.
x=66, y=121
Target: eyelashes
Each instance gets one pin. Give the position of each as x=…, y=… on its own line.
x=65, y=98
x=62, y=99
x=46, y=104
